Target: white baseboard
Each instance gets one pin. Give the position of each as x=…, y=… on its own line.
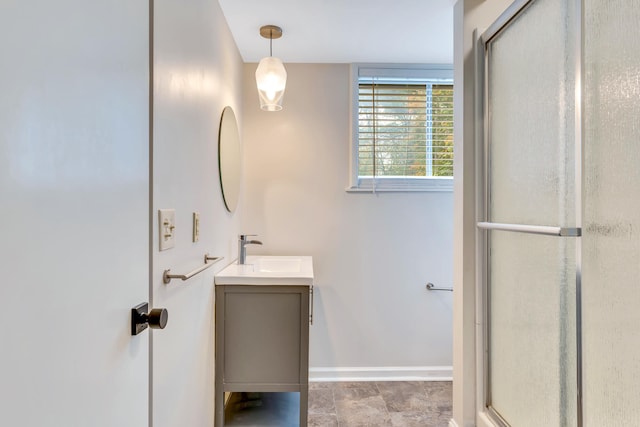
x=386, y=373
x=485, y=421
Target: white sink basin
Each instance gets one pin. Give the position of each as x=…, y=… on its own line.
x=268, y=270
x=278, y=264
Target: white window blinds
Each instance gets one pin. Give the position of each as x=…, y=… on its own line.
x=405, y=129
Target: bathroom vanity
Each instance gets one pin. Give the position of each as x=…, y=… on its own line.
x=263, y=312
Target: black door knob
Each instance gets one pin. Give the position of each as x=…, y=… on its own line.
x=157, y=318
x=141, y=320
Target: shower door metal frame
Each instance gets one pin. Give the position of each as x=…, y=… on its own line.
x=483, y=192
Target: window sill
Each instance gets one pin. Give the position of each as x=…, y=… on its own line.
x=391, y=185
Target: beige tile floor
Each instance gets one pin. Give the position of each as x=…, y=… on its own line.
x=372, y=404
x=351, y=404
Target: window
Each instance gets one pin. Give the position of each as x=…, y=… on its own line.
x=402, y=128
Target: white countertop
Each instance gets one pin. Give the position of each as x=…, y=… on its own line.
x=268, y=270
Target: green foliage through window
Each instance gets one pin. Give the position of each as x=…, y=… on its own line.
x=405, y=130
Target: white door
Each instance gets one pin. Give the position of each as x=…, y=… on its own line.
x=74, y=181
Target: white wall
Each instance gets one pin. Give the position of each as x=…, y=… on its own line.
x=198, y=71
x=373, y=254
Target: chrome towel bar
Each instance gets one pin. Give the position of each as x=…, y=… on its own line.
x=166, y=277
x=432, y=287
x=533, y=229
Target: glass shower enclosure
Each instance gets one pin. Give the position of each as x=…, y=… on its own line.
x=559, y=213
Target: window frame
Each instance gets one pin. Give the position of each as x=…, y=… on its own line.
x=390, y=183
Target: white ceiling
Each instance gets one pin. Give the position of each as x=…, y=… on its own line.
x=344, y=31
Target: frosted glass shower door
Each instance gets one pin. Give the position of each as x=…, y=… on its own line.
x=611, y=242
x=530, y=219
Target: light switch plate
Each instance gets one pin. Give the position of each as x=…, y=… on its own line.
x=196, y=226
x=167, y=225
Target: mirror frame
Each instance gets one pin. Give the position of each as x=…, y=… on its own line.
x=229, y=159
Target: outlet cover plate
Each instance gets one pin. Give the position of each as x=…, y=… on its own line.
x=196, y=226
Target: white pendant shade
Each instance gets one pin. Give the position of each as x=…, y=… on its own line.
x=271, y=79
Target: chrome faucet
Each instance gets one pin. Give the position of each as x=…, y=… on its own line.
x=242, y=243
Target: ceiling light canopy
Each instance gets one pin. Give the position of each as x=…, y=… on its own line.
x=271, y=77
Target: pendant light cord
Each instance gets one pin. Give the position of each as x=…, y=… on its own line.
x=271, y=42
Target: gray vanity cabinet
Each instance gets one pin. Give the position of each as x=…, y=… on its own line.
x=262, y=342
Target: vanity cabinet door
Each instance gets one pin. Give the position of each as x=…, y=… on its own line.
x=265, y=336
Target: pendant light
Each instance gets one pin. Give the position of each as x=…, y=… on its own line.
x=271, y=77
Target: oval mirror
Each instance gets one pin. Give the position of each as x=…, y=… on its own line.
x=229, y=158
